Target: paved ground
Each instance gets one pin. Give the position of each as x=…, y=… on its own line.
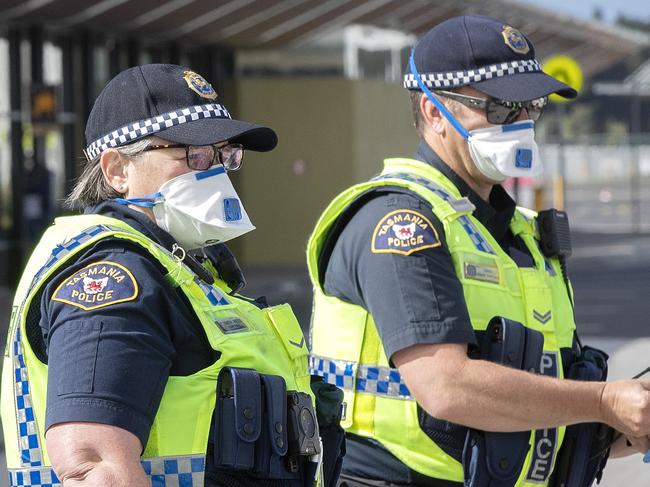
x=611, y=276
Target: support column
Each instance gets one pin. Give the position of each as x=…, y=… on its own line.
x=36, y=49
x=88, y=75
x=67, y=116
x=15, y=257
x=132, y=53
x=114, y=58
x=38, y=185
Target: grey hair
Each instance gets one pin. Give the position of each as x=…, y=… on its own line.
x=92, y=188
x=418, y=122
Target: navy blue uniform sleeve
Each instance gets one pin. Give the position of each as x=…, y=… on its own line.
x=391, y=259
x=105, y=321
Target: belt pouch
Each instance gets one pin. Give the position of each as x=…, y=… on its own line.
x=329, y=401
x=239, y=418
x=585, y=448
x=492, y=459
x=271, y=446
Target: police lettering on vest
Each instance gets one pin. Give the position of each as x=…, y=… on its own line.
x=544, y=441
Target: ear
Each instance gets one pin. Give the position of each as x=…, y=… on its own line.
x=114, y=168
x=431, y=116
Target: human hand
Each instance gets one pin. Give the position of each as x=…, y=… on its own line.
x=625, y=405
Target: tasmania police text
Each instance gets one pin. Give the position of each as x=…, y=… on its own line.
x=97, y=285
x=404, y=232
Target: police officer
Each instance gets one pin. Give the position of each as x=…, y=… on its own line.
x=411, y=267
x=121, y=327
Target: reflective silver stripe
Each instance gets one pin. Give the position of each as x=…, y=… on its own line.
x=462, y=205
x=181, y=471
x=371, y=379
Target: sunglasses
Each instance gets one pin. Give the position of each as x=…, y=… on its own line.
x=499, y=112
x=202, y=157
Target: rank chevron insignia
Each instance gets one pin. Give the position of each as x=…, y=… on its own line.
x=298, y=344
x=542, y=318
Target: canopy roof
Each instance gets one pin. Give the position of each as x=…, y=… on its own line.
x=248, y=24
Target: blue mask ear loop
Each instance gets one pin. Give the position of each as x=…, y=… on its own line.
x=439, y=105
x=144, y=202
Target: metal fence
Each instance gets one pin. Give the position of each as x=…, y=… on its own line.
x=606, y=186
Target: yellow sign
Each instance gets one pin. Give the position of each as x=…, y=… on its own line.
x=565, y=69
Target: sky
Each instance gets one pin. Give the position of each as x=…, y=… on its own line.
x=637, y=9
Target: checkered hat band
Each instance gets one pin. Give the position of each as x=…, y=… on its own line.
x=143, y=128
x=453, y=79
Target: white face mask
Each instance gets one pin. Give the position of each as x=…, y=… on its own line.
x=499, y=152
x=198, y=209
x=506, y=151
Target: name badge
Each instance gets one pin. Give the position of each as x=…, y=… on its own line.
x=231, y=325
x=481, y=272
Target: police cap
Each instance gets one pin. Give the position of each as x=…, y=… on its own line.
x=485, y=53
x=169, y=101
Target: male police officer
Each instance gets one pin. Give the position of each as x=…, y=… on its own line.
x=410, y=267
x=119, y=334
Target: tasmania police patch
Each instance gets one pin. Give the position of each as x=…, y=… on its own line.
x=403, y=232
x=97, y=285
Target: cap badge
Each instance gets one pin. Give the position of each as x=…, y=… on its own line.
x=515, y=40
x=199, y=85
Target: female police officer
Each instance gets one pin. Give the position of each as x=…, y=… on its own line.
x=119, y=334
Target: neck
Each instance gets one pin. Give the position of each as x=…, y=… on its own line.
x=481, y=189
x=455, y=162
x=146, y=211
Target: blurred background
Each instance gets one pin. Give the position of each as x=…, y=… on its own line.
x=326, y=75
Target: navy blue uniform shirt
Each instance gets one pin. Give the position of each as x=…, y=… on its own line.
x=415, y=298
x=112, y=330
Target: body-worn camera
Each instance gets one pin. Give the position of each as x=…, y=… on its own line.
x=302, y=425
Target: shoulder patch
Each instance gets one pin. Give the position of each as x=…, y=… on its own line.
x=97, y=285
x=404, y=232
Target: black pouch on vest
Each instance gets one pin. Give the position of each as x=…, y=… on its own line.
x=271, y=446
x=496, y=459
x=238, y=418
x=264, y=430
x=329, y=409
x=585, y=448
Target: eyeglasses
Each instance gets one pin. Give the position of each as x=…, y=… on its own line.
x=499, y=112
x=202, y=157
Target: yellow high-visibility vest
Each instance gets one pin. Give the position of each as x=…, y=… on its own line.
x=269, y=340
x=347, y=350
